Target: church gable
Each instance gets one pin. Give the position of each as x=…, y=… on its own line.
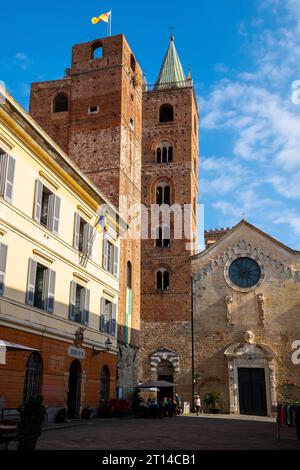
x=246, y=240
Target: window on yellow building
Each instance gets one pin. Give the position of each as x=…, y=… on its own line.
x=40, y=286
x=3, y=258
x=79, y=304
x=108, y=317
x=83, y=235
x=110, y=257
x=46, y=207
x=7, y=173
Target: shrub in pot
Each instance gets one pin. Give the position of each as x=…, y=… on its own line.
x=211, y=401
x=33, y=415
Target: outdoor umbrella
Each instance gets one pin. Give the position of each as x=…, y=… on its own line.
x=9, y=346
x=156, y=383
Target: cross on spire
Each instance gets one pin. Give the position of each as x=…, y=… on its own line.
x=172, y=30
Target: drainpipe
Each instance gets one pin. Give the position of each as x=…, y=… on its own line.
x=193, y=349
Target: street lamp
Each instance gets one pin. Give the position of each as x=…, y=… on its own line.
x=108, y=344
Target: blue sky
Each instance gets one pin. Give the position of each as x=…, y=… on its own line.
x=244, y=56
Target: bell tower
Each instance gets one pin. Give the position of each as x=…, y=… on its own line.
x=169, y=180
x=94, y=114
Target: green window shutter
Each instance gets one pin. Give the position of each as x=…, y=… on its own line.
x=3, y=259
x=86, y=310
x=9, y=180
x=102, y=315
x=105, y=254
x=116, y=261
x=31, y=281
x=3, y=160
x=76, y=231
x=51, y=291
x=72, y=301
x=90, y=240
x=114, y=320
x=38, y=200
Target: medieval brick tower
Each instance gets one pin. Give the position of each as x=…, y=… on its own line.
x=169, y=177
x=94, y=114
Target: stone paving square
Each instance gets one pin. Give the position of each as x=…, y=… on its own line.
x=186, y=433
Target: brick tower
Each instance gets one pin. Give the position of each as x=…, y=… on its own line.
x=94, y=114
x=169, y=176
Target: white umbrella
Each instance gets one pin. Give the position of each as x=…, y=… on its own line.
x=9, y=346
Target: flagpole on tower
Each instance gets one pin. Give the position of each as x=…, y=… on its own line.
x=110, y=20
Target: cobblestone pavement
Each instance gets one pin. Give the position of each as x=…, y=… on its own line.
x=185, y=433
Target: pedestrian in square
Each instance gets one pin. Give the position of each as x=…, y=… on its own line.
x=198, y=407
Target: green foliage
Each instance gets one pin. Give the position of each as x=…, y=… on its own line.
x=32, y=416
x=211, y=399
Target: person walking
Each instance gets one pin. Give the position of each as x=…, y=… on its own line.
x=197, y=403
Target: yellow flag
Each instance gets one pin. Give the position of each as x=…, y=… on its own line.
x=104, y=17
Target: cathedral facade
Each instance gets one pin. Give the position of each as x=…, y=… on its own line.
x=246, y=328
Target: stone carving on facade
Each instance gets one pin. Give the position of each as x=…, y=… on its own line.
x=261, y=308
x=249, y=337
x=79, y=334
x=229, y=302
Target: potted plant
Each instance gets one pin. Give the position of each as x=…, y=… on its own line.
x=33, y=415
x=211, y=401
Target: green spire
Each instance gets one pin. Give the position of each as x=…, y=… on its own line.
x=171, y=73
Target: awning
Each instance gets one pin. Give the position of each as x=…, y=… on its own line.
x=156, y=383
x=9, y=346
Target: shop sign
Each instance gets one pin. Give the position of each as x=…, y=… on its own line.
x=77, y=353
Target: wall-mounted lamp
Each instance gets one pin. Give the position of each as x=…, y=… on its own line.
x=108, y=344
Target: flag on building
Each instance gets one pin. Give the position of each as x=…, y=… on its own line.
x=104, y=17
x=102, y=223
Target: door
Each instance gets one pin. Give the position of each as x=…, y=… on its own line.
x=165, y=372
x=74, y=390
x=252, y=391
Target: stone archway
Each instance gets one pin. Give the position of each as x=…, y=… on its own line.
x=250, y=356
x=165, y=366
x=164, y=354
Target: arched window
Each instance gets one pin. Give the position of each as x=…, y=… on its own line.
x=104, y=383
x=162, y=236
x=166, y=113
x=163, y=194
x=162, y=279
x=97, y=51
x=129, y=275
x=164, y=152
x=60, y=103
x=33, y=376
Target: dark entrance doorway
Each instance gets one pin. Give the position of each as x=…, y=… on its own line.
x=165, y=371
x=252, y=391
x=74, y=390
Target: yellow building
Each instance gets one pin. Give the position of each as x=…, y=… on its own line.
x=59, y=285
